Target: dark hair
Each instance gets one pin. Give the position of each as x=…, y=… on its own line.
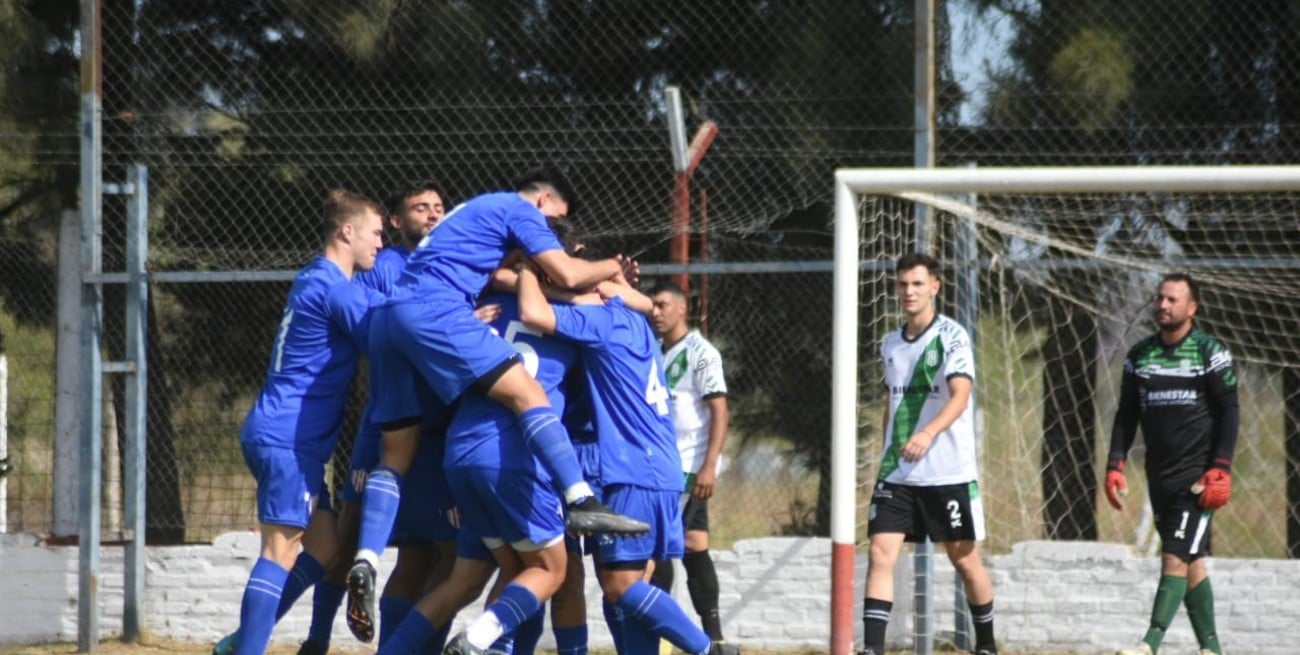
x=398, y=198
x=342, y=206
x=1193, y=287
x=913, y=259
x=549, y=178
x=570, y=237
x=667, y=286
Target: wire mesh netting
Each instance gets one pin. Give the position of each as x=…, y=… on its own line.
x=1063, y=287
x=245, y=113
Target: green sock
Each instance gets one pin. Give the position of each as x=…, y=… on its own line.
x=1200, y=609
x=1169, y=595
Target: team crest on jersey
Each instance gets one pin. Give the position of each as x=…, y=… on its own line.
x=931, y=358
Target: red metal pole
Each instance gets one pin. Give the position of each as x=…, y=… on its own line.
x=680, y=247
x=704, y=257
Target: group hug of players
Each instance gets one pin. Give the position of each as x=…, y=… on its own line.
x=517, y=393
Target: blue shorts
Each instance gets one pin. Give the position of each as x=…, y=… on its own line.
x=509, y=506
x=661, y=509
x=469, y=545
x=426, y=498
x=422, y=511
x=445, y=345
x=289, y=484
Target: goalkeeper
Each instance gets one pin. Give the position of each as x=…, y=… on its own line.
x=1181, y=386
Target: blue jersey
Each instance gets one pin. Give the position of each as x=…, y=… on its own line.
x=454, y=261
x=629, y=394
x=484, y=433
x=324, y=328
x=388, y=268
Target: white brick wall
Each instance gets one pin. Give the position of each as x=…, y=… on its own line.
x=1051, y=596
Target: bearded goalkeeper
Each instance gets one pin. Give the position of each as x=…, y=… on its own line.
x=1181, y=386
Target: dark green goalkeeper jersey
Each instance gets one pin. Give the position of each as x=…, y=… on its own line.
x=1185, y=398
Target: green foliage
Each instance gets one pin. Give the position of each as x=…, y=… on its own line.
x=1095, y=71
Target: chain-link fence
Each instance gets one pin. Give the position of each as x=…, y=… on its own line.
x=246, y=112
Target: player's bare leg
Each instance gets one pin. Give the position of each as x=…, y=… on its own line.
x=879, y=600
x=965, y=558
x=541, y=575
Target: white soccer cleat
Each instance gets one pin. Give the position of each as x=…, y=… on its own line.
x=1141, y=649
x=1206, y=651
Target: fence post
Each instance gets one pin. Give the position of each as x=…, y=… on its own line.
x=134, y=459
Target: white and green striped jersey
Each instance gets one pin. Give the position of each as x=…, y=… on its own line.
x=694, y=371
x=916, y=377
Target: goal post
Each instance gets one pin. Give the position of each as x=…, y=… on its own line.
x=1065, y=262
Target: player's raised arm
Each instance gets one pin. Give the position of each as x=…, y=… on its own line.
x=573, y=273
x=634, y=299
x=534, y=309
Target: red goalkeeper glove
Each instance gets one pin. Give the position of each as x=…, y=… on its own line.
x=1215, y=488
x=1116, y=485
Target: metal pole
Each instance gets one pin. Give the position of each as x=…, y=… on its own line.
x=4, y=440
x=679, y=249
x=844, y=419
x=137, y=307
x=923, y=149
x=68, y=400
x=91, y=306
x=966, y=286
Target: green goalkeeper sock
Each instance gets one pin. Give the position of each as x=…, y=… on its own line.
x=1200, y=609
x=1169, y=595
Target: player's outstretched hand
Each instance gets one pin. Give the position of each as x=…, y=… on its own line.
x=1215, y=488
x=1116, y=485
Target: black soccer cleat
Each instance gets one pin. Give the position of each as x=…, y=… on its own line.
x=310, y=647
x=361, y=601
x=723, y=648
x=590, y=516
x=459, y=645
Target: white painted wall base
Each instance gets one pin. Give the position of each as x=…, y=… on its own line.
x=1052, y=596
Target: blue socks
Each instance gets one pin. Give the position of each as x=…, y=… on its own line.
x=515, y=606
x=413, y=632
x=325, y=602
x=660, y=615
x=257, y=611
x=305, y=573
x=530, y=632
x=392, y=611
x=549, y=442
x=438, y=641
x=571, y=640
x=379, y=504
x=615, y=620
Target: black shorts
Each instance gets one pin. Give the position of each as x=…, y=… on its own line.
x=695, y=515
x=1183, y=525
x=951, y=512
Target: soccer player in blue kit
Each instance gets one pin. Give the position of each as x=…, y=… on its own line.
x=428, y=329
x=420, y=532
x=505, y=495
x=291, y=430
x=639, y=462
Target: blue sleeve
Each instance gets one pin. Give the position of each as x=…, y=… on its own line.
x=349, y=307
x=589, y=325
x=528, y=227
